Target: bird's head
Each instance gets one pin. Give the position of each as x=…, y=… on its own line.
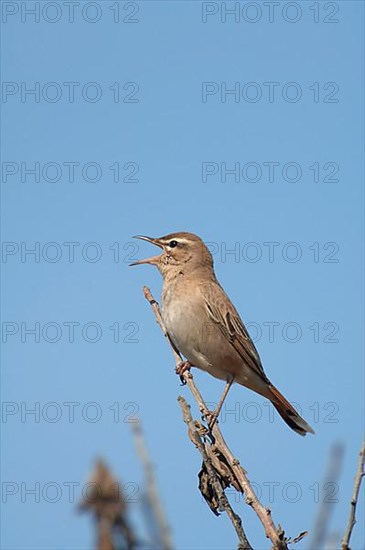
x=181, y=253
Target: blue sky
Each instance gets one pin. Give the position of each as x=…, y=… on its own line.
x=149, y=101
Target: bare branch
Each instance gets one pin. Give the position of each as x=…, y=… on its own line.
x=214, y=479
x=152, y=492
x=238, y=477
x=345, y=543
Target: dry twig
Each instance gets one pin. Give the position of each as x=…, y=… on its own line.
x=237, y=475
x=345, y=543
x=213, y=477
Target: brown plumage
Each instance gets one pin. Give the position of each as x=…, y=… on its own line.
x=204, y=325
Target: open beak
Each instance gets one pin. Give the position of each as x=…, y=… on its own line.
x=153, y=259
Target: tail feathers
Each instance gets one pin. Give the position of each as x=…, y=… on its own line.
x=288, y=413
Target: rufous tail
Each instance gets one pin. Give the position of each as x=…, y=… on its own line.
x=288, y=413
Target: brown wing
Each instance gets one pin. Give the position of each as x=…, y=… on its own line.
x=222, y=312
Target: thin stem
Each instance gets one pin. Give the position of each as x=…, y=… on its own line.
x=345, y=543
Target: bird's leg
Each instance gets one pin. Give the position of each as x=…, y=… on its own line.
x=217, y=411
x=182, y=367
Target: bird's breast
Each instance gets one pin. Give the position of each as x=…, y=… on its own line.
x=178, y=315
x=187, y=324
x=181, y=317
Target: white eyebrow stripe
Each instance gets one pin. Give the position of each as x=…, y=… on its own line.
x=178, y=239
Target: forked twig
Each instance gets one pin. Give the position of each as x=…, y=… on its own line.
x=218, y=488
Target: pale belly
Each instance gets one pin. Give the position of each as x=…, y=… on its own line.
x=200, y=341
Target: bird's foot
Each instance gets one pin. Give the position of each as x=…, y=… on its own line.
x=181, y=368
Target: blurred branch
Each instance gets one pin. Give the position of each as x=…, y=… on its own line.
x=345, y=543
x=163, y=530
x=106, y=501
x=105, y=534
x=236, y=475
x=333, y=541
x=326, y=506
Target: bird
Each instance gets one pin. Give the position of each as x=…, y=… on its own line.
x=205, y=327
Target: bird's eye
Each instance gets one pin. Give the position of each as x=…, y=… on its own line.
x=172, y=244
